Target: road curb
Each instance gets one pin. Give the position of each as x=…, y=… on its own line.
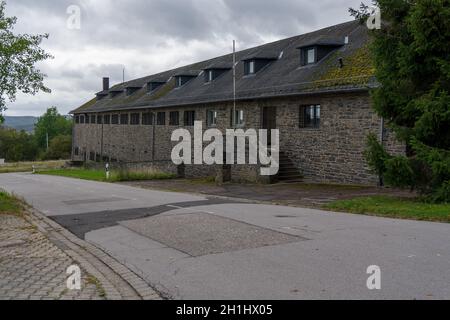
x=119, y=282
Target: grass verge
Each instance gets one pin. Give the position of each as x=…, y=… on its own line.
x=28, y=166
x=385, y=206
x=94, y=281
x=10, y=204
x=116, y=176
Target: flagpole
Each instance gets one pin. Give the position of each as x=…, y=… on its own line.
x=234, y=84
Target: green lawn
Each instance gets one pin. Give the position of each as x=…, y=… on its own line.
x=84, y=174
x=9, y=204
x=391, y=207
x=99, y=175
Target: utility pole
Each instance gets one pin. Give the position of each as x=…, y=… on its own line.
x=47, y=139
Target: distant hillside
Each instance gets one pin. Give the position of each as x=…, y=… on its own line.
x=20, y=123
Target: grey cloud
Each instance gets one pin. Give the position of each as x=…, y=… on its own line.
x=161, y=34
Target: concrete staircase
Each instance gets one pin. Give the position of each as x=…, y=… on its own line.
x=288, y=173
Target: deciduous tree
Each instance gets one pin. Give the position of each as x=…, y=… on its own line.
x=19, y=54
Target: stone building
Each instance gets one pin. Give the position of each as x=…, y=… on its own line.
x=314, y=88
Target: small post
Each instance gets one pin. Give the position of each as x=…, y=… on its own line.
x=107, y=171
x=34, y=169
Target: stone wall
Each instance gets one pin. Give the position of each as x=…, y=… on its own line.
x=332, y=153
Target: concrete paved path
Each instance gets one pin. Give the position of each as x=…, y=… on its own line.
x=192, y=247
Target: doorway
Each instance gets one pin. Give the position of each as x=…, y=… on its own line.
x=269, y=121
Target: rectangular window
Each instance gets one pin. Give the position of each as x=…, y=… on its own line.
x=310, y=116
x=99, y=119
x=311, y=56
x=77, y=119
x=211, y=118
x=161, y=119
x=251, y=67
x=76, y=151
x=86, y=119
x=107, y=119
x=115, y=119
x=238, y=118
x=124, y=118
x=135, y=118
x=189, y=118
x=81, y=119
x=93, y=119
x=147, y=119
x=174, y=118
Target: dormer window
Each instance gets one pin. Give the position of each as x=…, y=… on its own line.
x=215, y=70
x=101, y=95
x=258, y=60
x=311, y=56
x=181, y=80
x=183, y=77
x=314, y=51
x=114, y=92
x=152, y=86
x=308, y=56
x=130, y=90
x=251, y=67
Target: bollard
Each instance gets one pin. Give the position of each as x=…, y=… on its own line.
x=107, y=171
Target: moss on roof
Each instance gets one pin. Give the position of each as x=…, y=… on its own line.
x=358, y=69
x=87, y=105
x=164, y=90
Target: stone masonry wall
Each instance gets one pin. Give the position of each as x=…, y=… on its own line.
x=332, y=153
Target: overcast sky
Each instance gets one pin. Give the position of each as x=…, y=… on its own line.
x=149, y=36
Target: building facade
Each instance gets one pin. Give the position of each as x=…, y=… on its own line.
x=314, y=88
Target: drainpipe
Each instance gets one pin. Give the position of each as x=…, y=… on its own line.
x=154, y=132
x=73, y=138
x=101, y=147
x=382, y=136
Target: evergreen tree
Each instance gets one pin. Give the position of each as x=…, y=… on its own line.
x=412, y=57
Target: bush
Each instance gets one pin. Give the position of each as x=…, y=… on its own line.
x=60, y=148
x=17, y=145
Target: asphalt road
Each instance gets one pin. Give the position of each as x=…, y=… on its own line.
x=191, y=247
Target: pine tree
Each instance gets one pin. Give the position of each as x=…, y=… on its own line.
x=411, y=53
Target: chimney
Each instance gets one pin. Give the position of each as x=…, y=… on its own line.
x=105, y=84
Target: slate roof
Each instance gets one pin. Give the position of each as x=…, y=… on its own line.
x=323, y=41
x=282, y=77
